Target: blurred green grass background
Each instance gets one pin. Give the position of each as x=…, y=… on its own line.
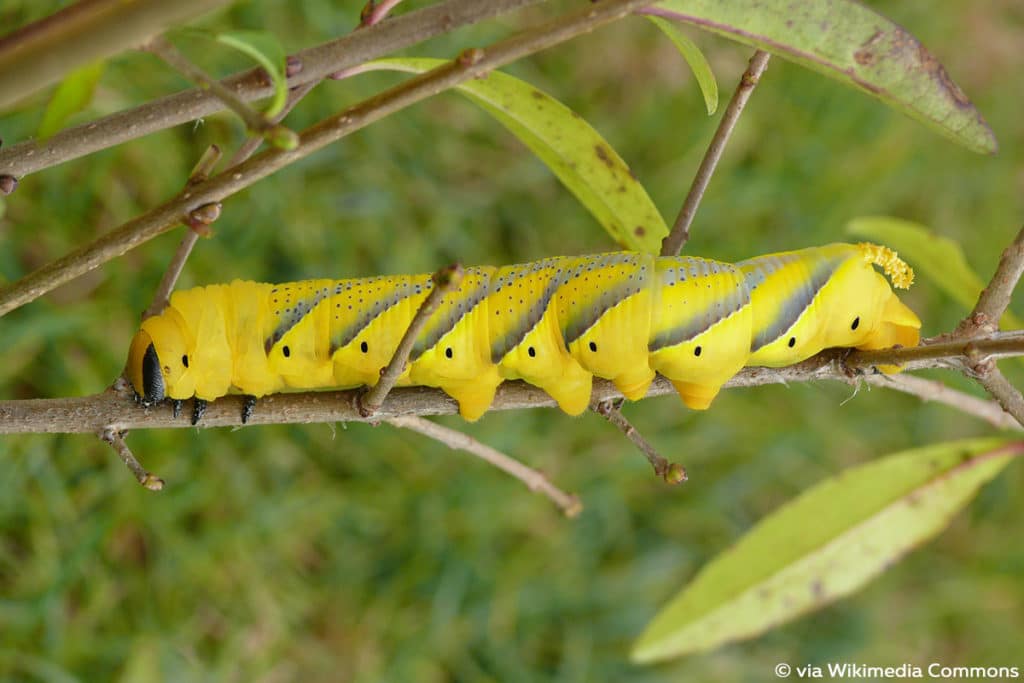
x=365, y=553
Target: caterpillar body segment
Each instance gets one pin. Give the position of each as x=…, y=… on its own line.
x=555, y=323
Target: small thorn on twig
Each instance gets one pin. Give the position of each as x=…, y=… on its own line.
x=116, y=441
x=669, y=472
x=8, y=184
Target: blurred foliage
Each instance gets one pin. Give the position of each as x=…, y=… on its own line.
x=365, y=554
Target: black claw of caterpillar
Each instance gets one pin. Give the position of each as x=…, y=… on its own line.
x=198, y=410
x=248, y=408
x=176, y=407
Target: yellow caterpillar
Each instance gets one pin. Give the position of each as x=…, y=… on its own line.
x=554, y=323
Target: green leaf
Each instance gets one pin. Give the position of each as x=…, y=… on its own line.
x=266, y=50
x=847, y=41
x=72, y=96
x=575, y=152
x=824, y=545
x=938, y=258
x=695, y=58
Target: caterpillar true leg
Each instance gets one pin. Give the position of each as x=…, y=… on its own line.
x=248, y=408
x=198, y=410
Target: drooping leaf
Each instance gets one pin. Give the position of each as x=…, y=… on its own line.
x=72, y=96
x=938, y=258
x=575, y=152
x=695, y=58
x=847, y=41
x=264, y=48
x=824, y=545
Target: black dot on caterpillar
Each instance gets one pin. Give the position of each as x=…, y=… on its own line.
x=792, y=342
x=532, y=351
x=364, y=347
x=593, y=346
x=448, y=352
x=184, y=360
x=856, y=323
x=697, y=351
x=286, y=351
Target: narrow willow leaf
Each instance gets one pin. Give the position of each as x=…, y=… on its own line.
x=266, y=50
x=575, y=152
x=695, y=58
x=938, y=258
x=847, y=41
x=824, y=545
x=72, y=96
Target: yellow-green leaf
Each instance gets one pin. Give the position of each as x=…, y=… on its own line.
x=72, y=96
x=695, y=58
x=266, y=50
x=575, y=152
x=824, y=545
x=847, y=41
x=938, y=258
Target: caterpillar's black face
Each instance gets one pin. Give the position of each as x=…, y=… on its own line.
x=152, y=378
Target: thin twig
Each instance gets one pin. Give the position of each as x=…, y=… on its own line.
x=375, y=11
x=116, y=441
x=253, y=142
x=445, y=280
x=995, y=298
x=932, y=390
x=533, y=479
x=670, y=472
x=255, y=122
x=200, y=174
x=1006, y=394
x=116, y=408
x=318, y=62
x=162, y=218
x=680, y=233
x=203, y=168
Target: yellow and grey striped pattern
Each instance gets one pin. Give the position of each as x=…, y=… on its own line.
x=555, y=323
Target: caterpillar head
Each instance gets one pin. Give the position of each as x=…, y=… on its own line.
x=158, y=361
x=872, y=316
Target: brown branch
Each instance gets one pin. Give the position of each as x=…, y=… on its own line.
x=41, y=53
x=199, y=174
x=445, y=280
x=454, y=439
x=471, y=64
x=116, y=441
x=203, y=168
x=999, y=387
x=317, y=63
x=673, y=243
x=950, y=353
x=116, y=408
x=995, y=298
x=931, y=390
x=255, y=122
x=669, y=472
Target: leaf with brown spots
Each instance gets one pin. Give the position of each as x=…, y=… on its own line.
x=847, y=41
x=823, y=545
x=575, y=152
